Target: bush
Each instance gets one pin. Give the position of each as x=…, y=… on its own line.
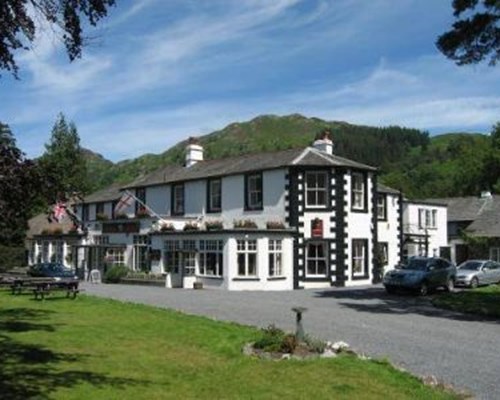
x=289, y=343
x=115, y=273
x=271, y=340
x=11, y=257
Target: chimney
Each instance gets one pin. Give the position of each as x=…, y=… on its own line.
x=194, y=152
x=323, y=141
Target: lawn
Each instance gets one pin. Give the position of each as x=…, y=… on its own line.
x=484, y=301
x=91, y=348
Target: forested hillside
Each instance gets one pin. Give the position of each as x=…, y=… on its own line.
x=446, y=165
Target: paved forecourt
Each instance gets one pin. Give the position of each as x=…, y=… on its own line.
x=409, y=331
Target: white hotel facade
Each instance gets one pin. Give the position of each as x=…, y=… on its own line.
x=300, y=218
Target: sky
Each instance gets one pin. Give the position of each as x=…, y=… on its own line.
x=157, y=71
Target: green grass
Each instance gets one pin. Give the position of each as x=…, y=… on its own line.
x=482, y=301
x=92, y=348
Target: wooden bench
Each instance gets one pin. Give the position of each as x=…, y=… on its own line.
x=43, y=289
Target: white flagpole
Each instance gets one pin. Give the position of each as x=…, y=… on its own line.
x=150, y=210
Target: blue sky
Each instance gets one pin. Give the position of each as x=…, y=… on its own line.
x=158, y=71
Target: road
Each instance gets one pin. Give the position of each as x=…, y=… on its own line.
x=458, y=349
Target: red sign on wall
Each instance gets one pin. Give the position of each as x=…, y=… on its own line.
x=317, y=228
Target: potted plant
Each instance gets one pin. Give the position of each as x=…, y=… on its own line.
x=121, y=216
x=191, y=226
x=275, y=225
x=244, y=224
x=142, y=213
x=101, y=217
x=215, y=225
x=168, y=227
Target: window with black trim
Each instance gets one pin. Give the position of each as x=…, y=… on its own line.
x=178, y=199
x=382, y=207
x=316, y=189
x=359, y=257
x=316, y=255
x=140, y=194
x=214, y=195
x=85, y=212
x=253, y=191
x=383, y=248
x=358, y=191
x=99, y=209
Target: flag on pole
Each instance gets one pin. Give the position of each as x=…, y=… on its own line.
x=125, y=201
x=59, y=211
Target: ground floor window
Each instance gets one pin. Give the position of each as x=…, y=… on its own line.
x=495, y=254
x=141, y=259
x=172, y=256
x=45, y=251
x=383, y=248
x=116, y=256
x=359, y=257
x=247, y=257
x=275, y=258
x=316, y=256
x=210, y=256
x=57, y=251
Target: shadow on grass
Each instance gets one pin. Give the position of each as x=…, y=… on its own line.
x=376, y=300
x=32, y=370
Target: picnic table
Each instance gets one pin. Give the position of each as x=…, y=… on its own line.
x=42, y=287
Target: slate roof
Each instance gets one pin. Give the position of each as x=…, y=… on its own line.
x=40, y=223
x=386, y=189
x=243, y=164
x=109, y=193
x=484, y=214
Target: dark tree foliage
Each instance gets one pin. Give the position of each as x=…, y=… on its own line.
x=20, y=183
x=18, y=28
x=63, y=164
x=475, y=35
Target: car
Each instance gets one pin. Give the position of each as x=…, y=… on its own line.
x=421, y=274
x=472, y=273
x=51, y=270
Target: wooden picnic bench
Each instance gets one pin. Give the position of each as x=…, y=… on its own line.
x=42, y=287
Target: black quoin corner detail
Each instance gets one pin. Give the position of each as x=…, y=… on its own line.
x=339, y=228
x=375, y=276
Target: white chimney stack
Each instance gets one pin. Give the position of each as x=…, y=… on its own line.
x=324, y=142
x=194, y=152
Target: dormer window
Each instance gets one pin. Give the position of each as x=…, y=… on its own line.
x=253, y=191
x=316, y=189
x=358, y=192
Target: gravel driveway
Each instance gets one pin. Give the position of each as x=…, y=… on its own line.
x=458, y=349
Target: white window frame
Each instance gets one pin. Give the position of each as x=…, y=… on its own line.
x=275, y=248
x=316, y=259
x=116, y=256
x=358, y=191
x=359, y=258
x=211, y=250
x=172, y=250
x=316, y=189
x=247, y=249
x=382, y=207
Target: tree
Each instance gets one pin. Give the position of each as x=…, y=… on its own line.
x=20, y=183
x=18, y=29
x=475, y=35
x=63, y=163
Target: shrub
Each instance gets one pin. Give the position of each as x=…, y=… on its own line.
x=12, y=256
x=101, y=217
x=315, y=345
x=289, y=343
x=115, y=273
x=271, y=340
x=167, y=228
x=121, y=216
x=142, y=213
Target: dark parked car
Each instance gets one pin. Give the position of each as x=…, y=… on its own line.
x=51, y=270
x=473, y=273
x=421, y=274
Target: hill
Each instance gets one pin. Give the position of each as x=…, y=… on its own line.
x=407, y=158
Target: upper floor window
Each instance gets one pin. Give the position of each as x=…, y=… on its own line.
x=214, y=196
x=140, y=194
x=178, y=199
x=316, y=188
x=99, y=209
x=427, y=218
x=358, y=191
x=85, y=212
x=382, y=207
x=253, y=195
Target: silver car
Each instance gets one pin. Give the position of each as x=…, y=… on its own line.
x=473, y=273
